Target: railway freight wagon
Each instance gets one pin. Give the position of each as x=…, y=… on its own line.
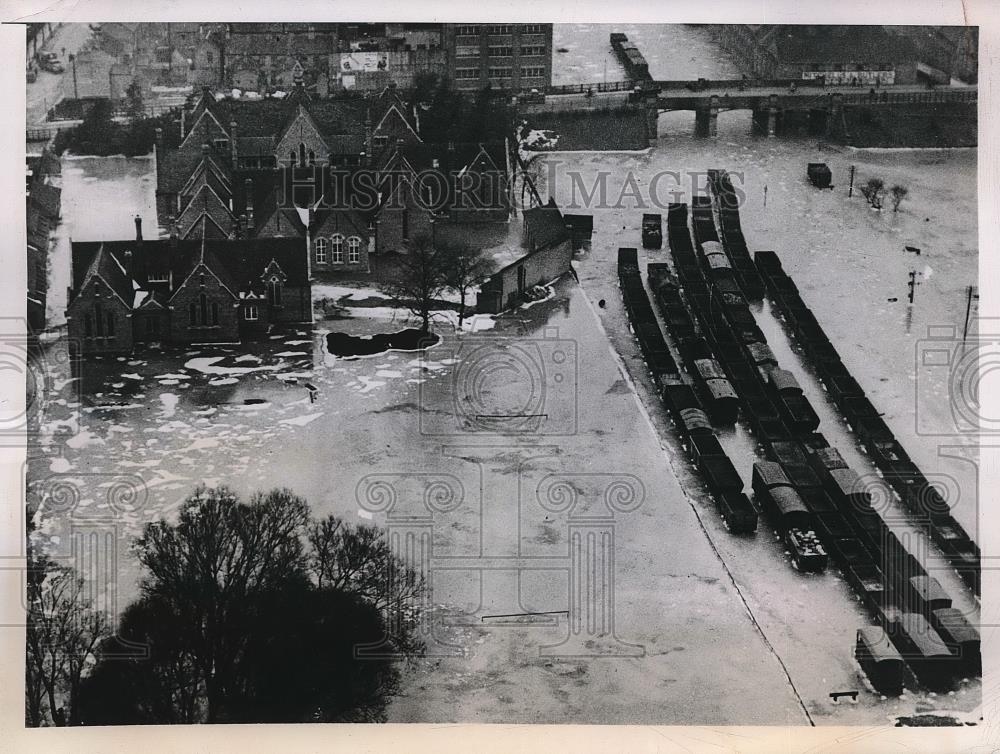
x=880, y=660
x=918, y=496
x=631, y=59
x=727, y=202
x=662, y=367
x=717, y=394
x=691, y=421
x=780, y=502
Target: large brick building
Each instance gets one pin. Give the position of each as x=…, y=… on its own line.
x=513, y=57
x=294, y=167
x=841, y=54
x=128, y=293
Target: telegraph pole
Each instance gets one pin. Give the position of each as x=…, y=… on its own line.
x=912, y=284
x=76, y=93
x=968, y=309
x=850, y=188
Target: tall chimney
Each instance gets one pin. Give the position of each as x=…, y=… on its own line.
x=183, y=120
x=129, y=266
x=138, y=229
x=232, y=141
x=172, y=228
x=159, y=138
x=248, y=190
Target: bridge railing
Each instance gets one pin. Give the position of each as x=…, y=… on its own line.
x=903, y=98
x=603, y=86
x=600, y=106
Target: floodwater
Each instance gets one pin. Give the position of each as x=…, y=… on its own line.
x=101, y=197
x=674, y=52
x=688, y=593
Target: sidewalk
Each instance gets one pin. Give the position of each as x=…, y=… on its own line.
x=48, y=88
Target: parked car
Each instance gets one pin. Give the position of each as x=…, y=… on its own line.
x=532, y=97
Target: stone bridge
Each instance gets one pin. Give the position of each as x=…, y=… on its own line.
x=769, y=101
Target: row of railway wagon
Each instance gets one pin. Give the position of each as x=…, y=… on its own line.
x=803, y=487
x=632, y=60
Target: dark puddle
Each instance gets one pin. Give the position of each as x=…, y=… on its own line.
x=410, y=339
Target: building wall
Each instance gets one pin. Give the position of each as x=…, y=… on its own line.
x=400, y=221
x=302, y=131
x=516, y=57
x=362, y=265
x=96, y=293
x=296, y=305
x=502, y=290
x=182, y=330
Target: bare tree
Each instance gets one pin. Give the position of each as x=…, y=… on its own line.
x=358, y=560
x=63, y=632
x=898, y=194
x=464, y=269
x=210, y=565
x=420, y=280
x=873, y=191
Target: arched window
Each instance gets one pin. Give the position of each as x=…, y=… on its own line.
x=274, y=292
x=353, y=249
x=88, y=326
x=192, y=315
x=203, y=309
x=291, y=158
x=312, y=158
x=337, y=243
x=215, y=312
x=321, y=248
x=302, y=155
x=99, y=320
x=111, y=325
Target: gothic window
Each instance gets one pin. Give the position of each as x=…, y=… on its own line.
x=274, y=292
x=192, y=315
x=215, y=312
x=88, y=326
x=203, y=309
x=302, y=155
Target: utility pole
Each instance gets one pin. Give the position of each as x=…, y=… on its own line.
x=968, y=309
x=76, y=93
x=765, y=196
x=912, y=284
x=850, y=188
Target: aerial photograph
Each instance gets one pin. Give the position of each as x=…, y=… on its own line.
x=555, y=373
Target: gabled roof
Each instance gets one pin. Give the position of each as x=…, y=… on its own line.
x=237, y=263
x=98, y=262
x=208, y=172
x=46, y=198
x=545, y=225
